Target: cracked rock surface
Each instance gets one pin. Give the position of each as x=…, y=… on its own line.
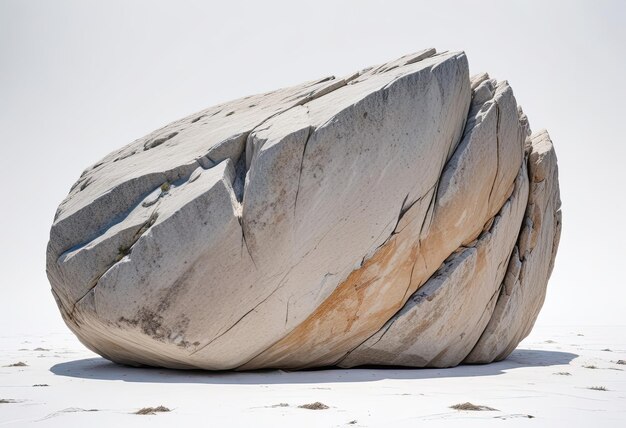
x=402, y=215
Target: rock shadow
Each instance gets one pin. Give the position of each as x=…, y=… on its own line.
x=101, y=369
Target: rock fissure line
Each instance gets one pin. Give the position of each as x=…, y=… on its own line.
x=495, y=177
x=310, y=132
x=448, y=260
x=124, y=252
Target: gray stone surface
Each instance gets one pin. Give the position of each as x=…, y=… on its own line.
x=399, y=215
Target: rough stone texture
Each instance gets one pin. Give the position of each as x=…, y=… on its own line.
x=402, y=215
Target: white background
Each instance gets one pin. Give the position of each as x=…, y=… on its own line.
x=79, y=79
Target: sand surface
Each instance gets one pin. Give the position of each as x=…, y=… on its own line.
x=547, y=381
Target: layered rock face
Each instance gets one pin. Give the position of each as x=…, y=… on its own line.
x=402, y=215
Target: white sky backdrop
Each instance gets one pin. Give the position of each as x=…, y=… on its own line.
x=79, y=79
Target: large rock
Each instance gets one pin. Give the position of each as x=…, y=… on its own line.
x=402, y=215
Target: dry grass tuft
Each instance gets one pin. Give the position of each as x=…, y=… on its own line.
x=152, y=410
x=563, y=373
x=598, y=388
x=314, y=406
x=622, y=362
x=18, y=364
x=590, y=366
x=472, y=407
x=280, y=405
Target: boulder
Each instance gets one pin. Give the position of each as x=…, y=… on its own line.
x=402, y=215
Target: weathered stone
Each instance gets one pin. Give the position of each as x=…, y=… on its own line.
x=401, y=215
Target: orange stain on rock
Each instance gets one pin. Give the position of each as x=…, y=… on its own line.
x=356, y=309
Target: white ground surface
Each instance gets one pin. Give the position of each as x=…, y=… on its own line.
x=86, y=390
